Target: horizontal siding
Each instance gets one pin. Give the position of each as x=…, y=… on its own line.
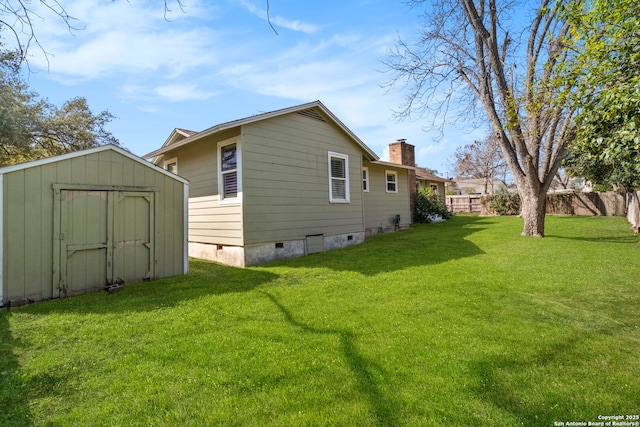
x=379, y=206
x=212, y=223
x=209, y=221
x=197, y=163
x=286, y=183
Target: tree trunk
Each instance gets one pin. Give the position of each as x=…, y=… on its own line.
x=533, y=210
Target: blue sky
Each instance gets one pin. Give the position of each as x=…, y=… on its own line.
x=217, y=61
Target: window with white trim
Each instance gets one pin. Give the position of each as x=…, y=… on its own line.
x=365, y=180
x=338, y=178
x=171, y=165
x=392, y=181
x=229, y=182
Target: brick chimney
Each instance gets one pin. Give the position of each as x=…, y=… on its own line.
x=404, y=154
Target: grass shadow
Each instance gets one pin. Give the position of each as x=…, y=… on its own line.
x=205, y=278
x=631, y=239
x=363, y=369
x=423, y=244
x=602, y=230
x=14, y=404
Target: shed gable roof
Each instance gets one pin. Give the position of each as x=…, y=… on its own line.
x=315, y=110
x=74, y=154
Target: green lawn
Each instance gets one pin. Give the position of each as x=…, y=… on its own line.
x=462, y=323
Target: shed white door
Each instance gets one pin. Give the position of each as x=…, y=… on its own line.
x=103, y=237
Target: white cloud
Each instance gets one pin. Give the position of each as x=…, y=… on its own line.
x=183, y=92
x=177, y=92
x=294, y=25
x=121, y=53
x=122, y=37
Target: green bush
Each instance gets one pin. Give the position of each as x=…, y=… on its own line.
x=504, y=203
x=427, y=204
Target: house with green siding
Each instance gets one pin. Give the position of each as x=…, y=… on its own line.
x=281, y=184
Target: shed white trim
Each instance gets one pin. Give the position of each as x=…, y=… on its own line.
x=185, y=225
x=74, y=154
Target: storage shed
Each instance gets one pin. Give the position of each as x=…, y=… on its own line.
x=88, y=220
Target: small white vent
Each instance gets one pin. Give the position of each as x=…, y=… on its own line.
x=312, y=114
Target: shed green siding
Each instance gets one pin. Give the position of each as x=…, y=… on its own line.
x=28, y=212
x=286, y=180
x=379, y=206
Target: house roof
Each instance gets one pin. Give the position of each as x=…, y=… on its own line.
x=185, y=132
x=98, y=149
x=169, y=145
x=178, y=134
x=393, y=165
x=426, y=175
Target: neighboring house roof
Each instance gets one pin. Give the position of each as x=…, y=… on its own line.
x=34, y=163
x=174, y=141
x=428, y=176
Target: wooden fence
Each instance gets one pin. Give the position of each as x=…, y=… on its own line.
x=471, y=203
x=607, y=203
x=597, y=204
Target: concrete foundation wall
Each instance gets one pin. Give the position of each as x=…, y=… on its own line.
x=231, y=255
x=342, y=240
x=265, y=252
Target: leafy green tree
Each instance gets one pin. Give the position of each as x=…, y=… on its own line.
x=607, y=145
x=32, y=128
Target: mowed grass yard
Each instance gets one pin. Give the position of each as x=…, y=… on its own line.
x=461, y=323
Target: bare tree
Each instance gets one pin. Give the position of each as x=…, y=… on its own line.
x=480, y=160
x=475, y=54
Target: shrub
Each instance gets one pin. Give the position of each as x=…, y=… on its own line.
x=428, y=204
x=504, y=203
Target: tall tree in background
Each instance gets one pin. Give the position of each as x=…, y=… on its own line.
x=475, y=53
x=480, y=160
x=32, y=128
